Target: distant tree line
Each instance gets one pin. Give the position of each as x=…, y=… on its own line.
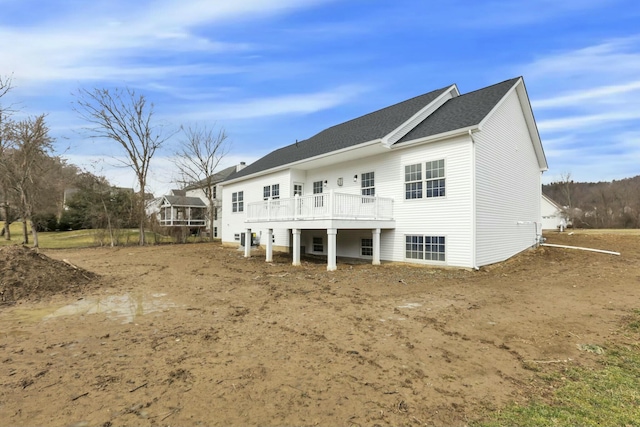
x=614, y=204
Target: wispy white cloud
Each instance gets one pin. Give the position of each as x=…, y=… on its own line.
x=572, y=123
x=93, y=46
x=301, y=103
x=601, y=94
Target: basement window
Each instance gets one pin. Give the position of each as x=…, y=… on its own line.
x=428, y=248
x=366, y=247
x=318, y=245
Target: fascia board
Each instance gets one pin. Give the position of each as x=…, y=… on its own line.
x=397, y=134
x=299, y=162
x=525, y=105
x=438, y=137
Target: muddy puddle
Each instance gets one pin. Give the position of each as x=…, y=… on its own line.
x=122, y=308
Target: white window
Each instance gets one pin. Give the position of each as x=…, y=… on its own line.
x=318, y=245
x=430, y=248
x=297, y=190
x=433, y=183
x=317, y=189
x=236, y=237
x=272, y=192
x=215, y=231
x=366, y=247
x=367, y=184
x=237, y=201
x=413, y=181
x=434, y=176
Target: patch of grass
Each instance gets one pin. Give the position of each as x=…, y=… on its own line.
x=85, y=238
x=606, y=396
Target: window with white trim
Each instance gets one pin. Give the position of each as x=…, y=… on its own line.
x=317, y=189
x=434, y=178
x=237, y=201
x=215, y=231
x=366, y=247
x=297, y=190
x=367, y=184
x=429, y=248
x=318, y=245
x=272, y=192
x=413, y=181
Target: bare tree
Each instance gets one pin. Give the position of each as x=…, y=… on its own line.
x=31, y=147
x=5, y=87
x=123, y=116
x=200, y=153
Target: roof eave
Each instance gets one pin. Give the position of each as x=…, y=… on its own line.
x=420, y=116
x=525, y=104
x=300, y=162
x=436, y=137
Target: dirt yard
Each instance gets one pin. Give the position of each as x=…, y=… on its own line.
x=197, y=335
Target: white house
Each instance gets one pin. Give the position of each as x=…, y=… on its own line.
x=189, y=207
x=552, y=213
x=442, y=178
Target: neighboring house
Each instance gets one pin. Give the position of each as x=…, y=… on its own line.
x=189, y=207
x=553, y=217
x=442, y=178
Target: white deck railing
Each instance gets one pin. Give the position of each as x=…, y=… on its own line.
x=322, y=206
x=181, y=222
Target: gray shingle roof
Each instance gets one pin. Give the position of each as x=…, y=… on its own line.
x=357, y=131
x=461, y=112
x=215, y=178
x=185, y=201
x=456, y=113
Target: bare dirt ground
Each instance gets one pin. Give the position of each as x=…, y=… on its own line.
x=197, y=335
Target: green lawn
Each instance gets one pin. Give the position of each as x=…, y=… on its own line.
x=608, y=395
x=81, y=238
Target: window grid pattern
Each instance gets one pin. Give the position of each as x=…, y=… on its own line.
x=367, y=184
x=430, y=248
x=413, y=181
x=237, y=201
x=435, y=181
x=297, y=190
x=317, y=187
x=366, y=247
x=318, y=245
x=271, y=191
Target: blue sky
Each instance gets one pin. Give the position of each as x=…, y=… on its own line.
x=271, y=72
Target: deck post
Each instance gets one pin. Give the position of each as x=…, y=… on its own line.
x=269, y=257
x=376, y=247
x=247, y=243
x=331, y=249
x=296, y=246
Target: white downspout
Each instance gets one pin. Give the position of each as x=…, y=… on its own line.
x=474, y=237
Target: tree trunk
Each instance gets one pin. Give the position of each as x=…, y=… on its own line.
x=7, y=222
x=34, y=230
x=211, y=218
x=25, y=235
x=142, y=214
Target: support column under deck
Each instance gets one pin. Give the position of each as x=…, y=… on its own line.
x=296, y=246
x=269, y=257
x=331, y=249
x=376, y=247
x=247, y=243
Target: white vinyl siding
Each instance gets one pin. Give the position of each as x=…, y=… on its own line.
x=508, y=189
x=253, y=191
